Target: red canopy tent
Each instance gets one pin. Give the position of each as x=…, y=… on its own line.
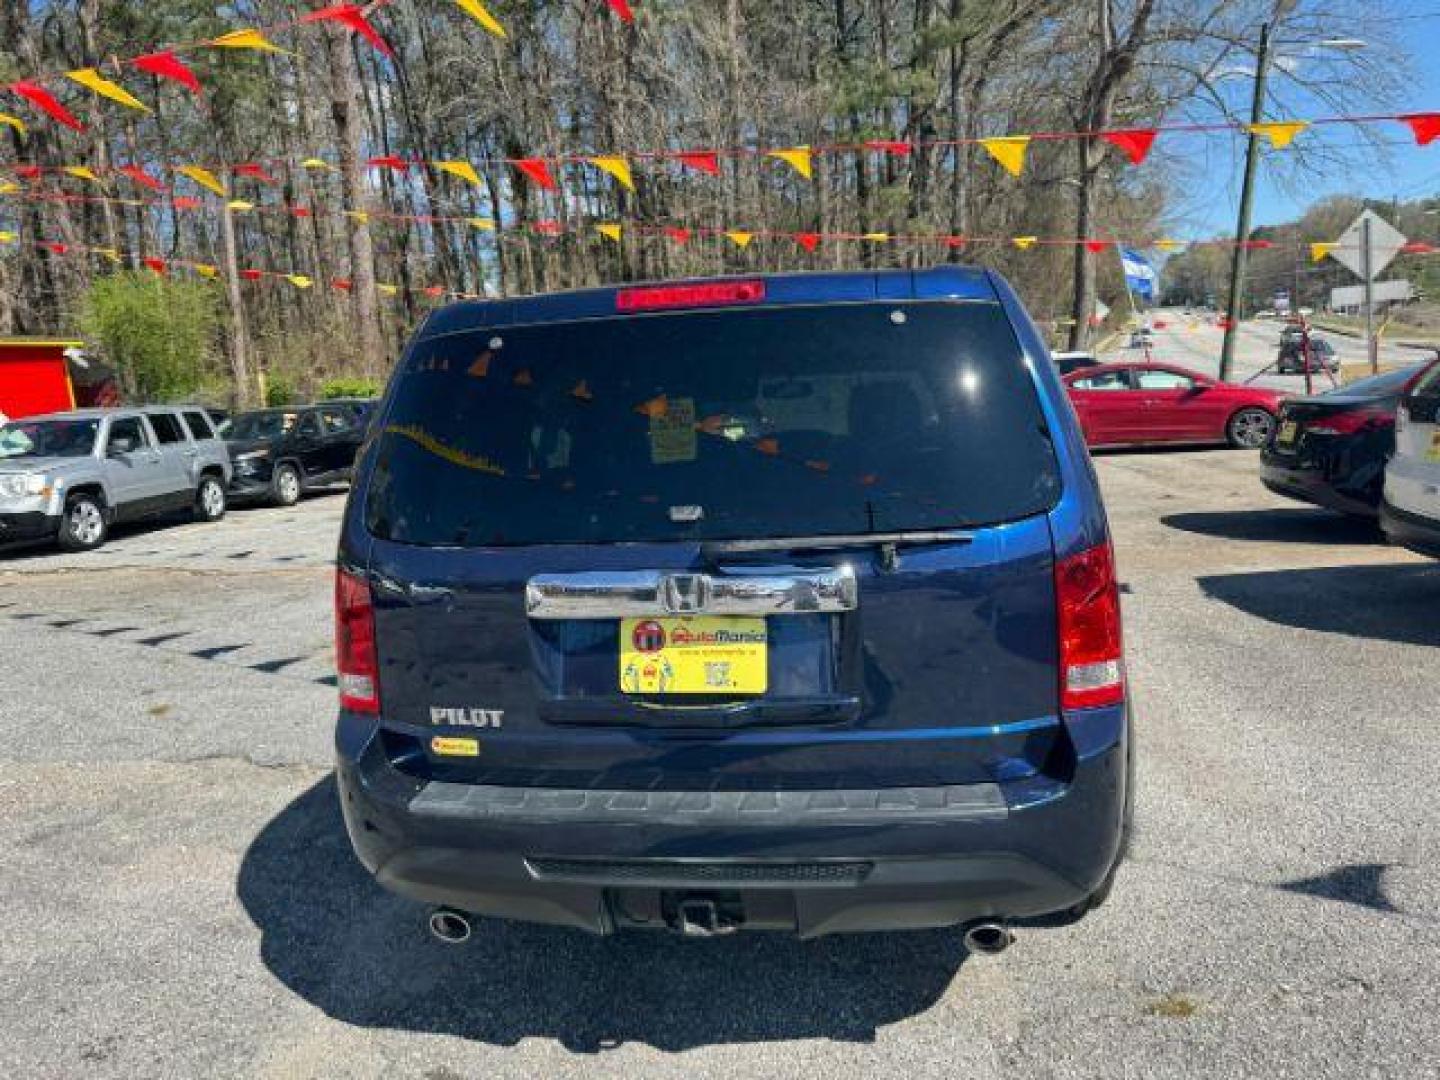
x=35, y=376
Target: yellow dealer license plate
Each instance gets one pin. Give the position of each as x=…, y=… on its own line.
x=1288, y=431
x=694, y=654
x=1434, y=452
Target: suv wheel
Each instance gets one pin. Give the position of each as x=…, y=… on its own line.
x=285, y=486
x=83, y=527
x=209, y=499
x=1250, y=428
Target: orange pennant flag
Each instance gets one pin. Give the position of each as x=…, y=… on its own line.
x=797, y=157
x=617, y=167
x=1009, y=151
x=1281, y=133
x=204, y=177
x=476, y=10
x=93, y=80
x=610, y=231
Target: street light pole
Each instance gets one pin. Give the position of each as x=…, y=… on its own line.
x=1242, y=225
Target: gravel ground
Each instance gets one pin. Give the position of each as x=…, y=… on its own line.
x=180, y=900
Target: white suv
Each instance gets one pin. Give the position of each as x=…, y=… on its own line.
x=1410, y=513
x=68, y=476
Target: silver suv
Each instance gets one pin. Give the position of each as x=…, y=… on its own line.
x=69, y=476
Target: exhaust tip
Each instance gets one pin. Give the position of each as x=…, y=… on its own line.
x=450, y=926
x=988, y=938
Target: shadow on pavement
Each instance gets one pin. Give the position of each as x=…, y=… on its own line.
x=363, y=956
x=1389, y=602
x=1298, y=526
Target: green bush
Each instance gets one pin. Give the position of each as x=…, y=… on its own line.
x=279, y=392
x=349, y=386
x=158, y=332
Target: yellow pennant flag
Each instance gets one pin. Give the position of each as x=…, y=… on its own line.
x=617, y=167
x=1169, y=245
x=484, y=224
x=14, y=122
x=300, y=281
x=1319, y=251
x=388, y=290
x=463, y=169
x=610, y=231
x=739, y=239
x=362, y=216
x=8, y=187
x=109, y=253
x=206, y=270
x=204, y=177
x=1281, y=133
x=8, y=237
x=1025, y=243
x=476, y=10
x=315, y=163
x=797, y=157
x=245, y=39
x=876, y=237
x=93, y=80
x=1009, y=151
x=240, y=205
x=81, y=172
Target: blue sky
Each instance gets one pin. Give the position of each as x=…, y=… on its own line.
x=1398, y=168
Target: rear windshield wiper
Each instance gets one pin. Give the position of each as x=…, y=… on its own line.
x=888, y=543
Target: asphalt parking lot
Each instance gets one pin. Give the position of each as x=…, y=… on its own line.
x=180, y=899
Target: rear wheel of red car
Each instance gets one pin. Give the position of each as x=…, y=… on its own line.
x=1250, y=428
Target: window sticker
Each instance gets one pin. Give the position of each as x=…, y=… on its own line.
x=672, y=432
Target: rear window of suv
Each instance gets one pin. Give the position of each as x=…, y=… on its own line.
x=708, y=425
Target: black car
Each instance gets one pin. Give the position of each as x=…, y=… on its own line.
x=1330, y=449
x=1291, y=359
x=278, y=453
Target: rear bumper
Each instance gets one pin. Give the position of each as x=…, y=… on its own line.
x=27, y=526
x=814, y=862
x=1311, y=486
x=1414, y=531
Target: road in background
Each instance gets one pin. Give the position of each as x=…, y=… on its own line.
x=1193, y=342
x=180, y=899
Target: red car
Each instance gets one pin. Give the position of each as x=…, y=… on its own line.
x=1129, y=404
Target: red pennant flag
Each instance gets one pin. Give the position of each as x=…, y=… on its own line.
x=1160, y=324
x=57, y=247
x=808, y=240
x=548, y=228
x=622, y=9
x=157, y=265
x=1416, y=247
x=140, y=176
x=399, y=164
x=300, y=211
x=168, y=66
x=1256, y=245
x=706, y=161
x=1135, y=142
x=255, y=172
x=187, y=202
x=343, y=284
x=955, y=241
x=1096, y=246
x=353, y=18
x=43, y=100
x=1425, y=125
x=680, y=236
x=435, y=290
x=29, y=172
x=252, y=275
x=537, y=170
x=889, y=146
x=1223, y=324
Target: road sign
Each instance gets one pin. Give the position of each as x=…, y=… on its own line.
x=1382, y=292
x=1385, y=243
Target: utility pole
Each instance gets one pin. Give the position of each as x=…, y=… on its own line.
x=1242, y=225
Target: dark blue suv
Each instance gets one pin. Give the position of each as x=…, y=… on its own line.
x=780, y=602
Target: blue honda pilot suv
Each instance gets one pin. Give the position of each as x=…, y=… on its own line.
x=782, y=602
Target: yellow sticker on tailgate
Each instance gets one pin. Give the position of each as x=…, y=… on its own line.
x=454, y=747
x=694, y=654
x=1433, y=453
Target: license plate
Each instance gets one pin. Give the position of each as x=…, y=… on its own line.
x=694, y=654
x=1433, y=454
x=1288, y=431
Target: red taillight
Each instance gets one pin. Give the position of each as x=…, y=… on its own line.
x=1092, y=667
x=709, y=294
x=356, y=666
x=1350, y=421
